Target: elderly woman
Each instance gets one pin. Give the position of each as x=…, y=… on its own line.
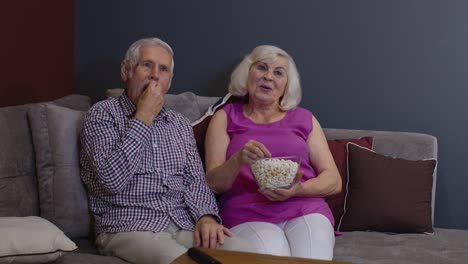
x=293, y=221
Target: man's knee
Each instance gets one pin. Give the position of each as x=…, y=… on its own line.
x=140, y=247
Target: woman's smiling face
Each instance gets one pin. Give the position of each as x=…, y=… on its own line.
x=267, y=81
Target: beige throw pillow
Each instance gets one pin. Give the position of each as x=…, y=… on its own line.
x=31, y=239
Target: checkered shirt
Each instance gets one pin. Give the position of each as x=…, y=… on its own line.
x=140, y=177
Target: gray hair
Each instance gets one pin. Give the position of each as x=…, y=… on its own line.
x=133, y=53
x=267, y=53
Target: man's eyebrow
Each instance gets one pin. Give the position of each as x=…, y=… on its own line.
x=150, y=61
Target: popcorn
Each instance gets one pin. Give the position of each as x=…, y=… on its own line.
x=275, y=172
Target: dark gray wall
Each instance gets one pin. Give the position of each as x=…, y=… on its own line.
x=381, y=65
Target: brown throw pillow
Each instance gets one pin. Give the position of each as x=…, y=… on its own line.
x=339, y=152
x=387, y=194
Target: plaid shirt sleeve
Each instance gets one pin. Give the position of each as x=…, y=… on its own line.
x=115, y=157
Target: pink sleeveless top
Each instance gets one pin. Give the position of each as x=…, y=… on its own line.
x=287, y=137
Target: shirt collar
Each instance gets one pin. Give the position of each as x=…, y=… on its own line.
x=127, y=105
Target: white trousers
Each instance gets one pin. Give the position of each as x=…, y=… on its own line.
x=308, y=236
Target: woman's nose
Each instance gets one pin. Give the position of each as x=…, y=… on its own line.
x=267, y=76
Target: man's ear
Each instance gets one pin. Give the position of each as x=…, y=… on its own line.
x=124, y=71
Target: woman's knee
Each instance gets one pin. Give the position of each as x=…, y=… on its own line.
x=265, y=238
x=311, y=236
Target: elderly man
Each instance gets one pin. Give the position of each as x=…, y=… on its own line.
x=145, y=180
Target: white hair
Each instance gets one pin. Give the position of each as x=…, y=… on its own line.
x=267, y=53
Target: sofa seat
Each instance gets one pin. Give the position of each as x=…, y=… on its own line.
x=86, y=258
x=445, y=246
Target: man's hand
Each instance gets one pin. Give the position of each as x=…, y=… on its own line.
x=208, y=232
x=150, y=103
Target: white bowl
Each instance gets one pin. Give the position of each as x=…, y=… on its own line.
x=276, y=172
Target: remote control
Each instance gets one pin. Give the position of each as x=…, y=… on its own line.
x=201, y=257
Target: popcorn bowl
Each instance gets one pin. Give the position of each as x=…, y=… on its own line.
x=276, y=172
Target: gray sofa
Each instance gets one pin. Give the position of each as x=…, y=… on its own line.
x=39, y=176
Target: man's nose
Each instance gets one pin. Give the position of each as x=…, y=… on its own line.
x=154, y=74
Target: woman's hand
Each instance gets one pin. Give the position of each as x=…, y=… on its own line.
x=282, y=194
x=252, y=151
x=208, y=233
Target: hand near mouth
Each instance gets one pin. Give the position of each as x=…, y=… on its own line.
x=150, y=102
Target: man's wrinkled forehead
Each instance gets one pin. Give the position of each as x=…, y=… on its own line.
x=145, y=54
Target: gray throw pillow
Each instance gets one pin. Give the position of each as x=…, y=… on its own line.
x=62, y=196
x=74, y=101
x=184, y=103
x=18, y=185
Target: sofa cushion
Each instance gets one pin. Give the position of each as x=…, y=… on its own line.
x=18, y=184
x=31, y=240
x=184, y=103
x=387, y=194
x=447, y=246
x=114, y=92
x=62, y=195
x=205, y=102
x=80, y=258
x=339, y=152
x=74, y=101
